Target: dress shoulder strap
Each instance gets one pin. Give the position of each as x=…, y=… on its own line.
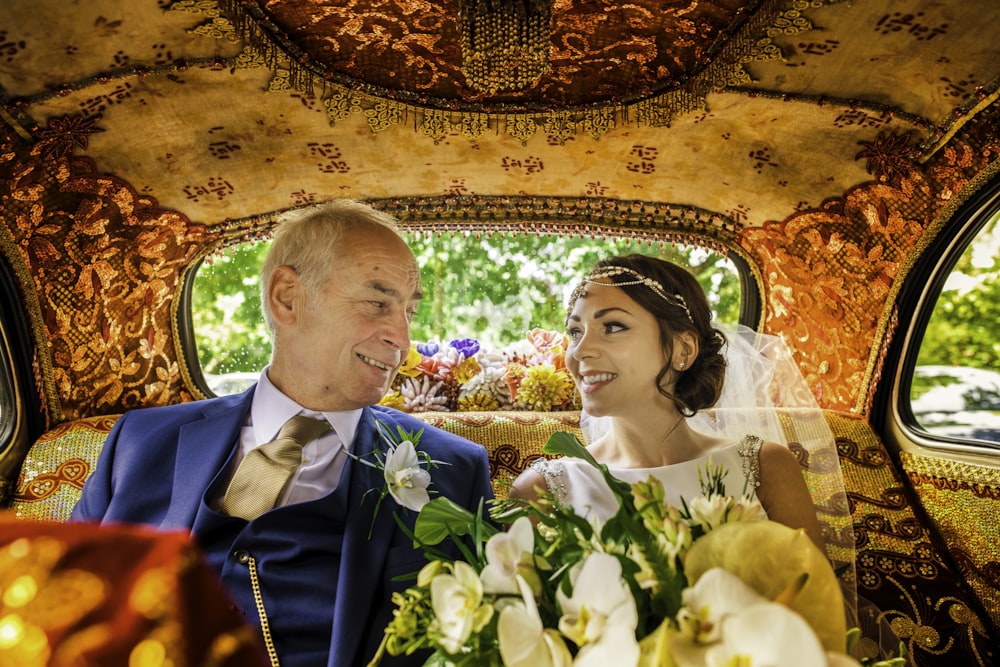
x=749, y=450
x=554, y=473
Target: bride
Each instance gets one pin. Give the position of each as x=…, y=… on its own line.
x=666, y=392
x=646, y=359
x=670, y=394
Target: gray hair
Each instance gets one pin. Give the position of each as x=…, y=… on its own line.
x=308, y=241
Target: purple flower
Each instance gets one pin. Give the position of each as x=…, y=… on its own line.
x=428, y=349
x=466, y=346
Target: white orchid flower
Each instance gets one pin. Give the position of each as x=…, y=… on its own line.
x=509, y=555
x=717, y=595
x=726, y=622
x=406, y=480
x=457, y=602
x=524, y=641
x=770, y=634
x=600, y=616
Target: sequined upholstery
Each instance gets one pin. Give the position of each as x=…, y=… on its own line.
x=903, y=566
x=56, y=467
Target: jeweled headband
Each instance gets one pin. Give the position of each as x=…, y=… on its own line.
x=597, y=275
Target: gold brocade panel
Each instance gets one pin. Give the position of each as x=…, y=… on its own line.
x=56, y=467
x=833, y=272
x=963, y=501
x=100, y=267
x=901, y=566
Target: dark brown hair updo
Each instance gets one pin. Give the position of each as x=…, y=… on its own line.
x=682, y=307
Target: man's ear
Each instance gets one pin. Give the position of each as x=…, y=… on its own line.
x=685, y=350
x=284, y=293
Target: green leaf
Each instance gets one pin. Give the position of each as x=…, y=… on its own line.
x=568, y=444
x=441, y=518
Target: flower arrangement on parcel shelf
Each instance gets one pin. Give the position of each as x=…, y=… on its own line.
x=711, y=583
x=465, y=376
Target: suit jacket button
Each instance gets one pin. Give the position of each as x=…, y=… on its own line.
x=242, y=557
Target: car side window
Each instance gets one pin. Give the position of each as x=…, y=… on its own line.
x=955, y=389
x=490, y=287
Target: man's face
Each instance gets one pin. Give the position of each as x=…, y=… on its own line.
x=346, y=343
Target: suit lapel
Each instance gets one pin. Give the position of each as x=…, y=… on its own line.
x=363, y=557
x=203, y=447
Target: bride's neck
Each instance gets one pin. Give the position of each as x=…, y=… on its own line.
x=649, y=443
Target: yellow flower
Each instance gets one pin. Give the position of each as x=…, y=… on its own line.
x=543, y=387
x=654, y=648
x=409, y=368
x=467, y=369
x=769, y=556
x=477, y=403
x=393, y=400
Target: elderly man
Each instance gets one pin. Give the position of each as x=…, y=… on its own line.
x=291, y=525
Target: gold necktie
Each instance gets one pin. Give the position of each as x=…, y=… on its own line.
x=264, y=472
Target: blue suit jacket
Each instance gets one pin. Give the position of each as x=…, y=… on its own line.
x=157, y=464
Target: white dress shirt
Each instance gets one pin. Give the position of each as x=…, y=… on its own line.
x=323, y=459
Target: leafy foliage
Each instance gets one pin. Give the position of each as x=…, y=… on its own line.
x=961, y=329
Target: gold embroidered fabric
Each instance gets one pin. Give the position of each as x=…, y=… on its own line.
x=963, y=502
x=56, y=467
x=512, y=439
x=901, y=567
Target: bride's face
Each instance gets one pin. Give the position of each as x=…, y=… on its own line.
x=615, y=353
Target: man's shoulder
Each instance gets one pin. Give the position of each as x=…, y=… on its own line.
x=179, y=413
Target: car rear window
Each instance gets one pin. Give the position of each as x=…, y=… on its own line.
x=493, y=288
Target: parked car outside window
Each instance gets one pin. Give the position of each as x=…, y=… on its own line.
x=957, y=402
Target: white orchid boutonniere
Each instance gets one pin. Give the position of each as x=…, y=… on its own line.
x=404, y=467
x=405, y=480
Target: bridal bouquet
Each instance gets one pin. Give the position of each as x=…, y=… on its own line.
x=710, y=583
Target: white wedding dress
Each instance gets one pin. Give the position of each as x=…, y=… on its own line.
x=578, y=484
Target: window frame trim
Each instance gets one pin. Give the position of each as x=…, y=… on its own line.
x=922, y=288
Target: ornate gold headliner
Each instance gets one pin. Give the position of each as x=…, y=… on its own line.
x=238, y=109
x=597, y=53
